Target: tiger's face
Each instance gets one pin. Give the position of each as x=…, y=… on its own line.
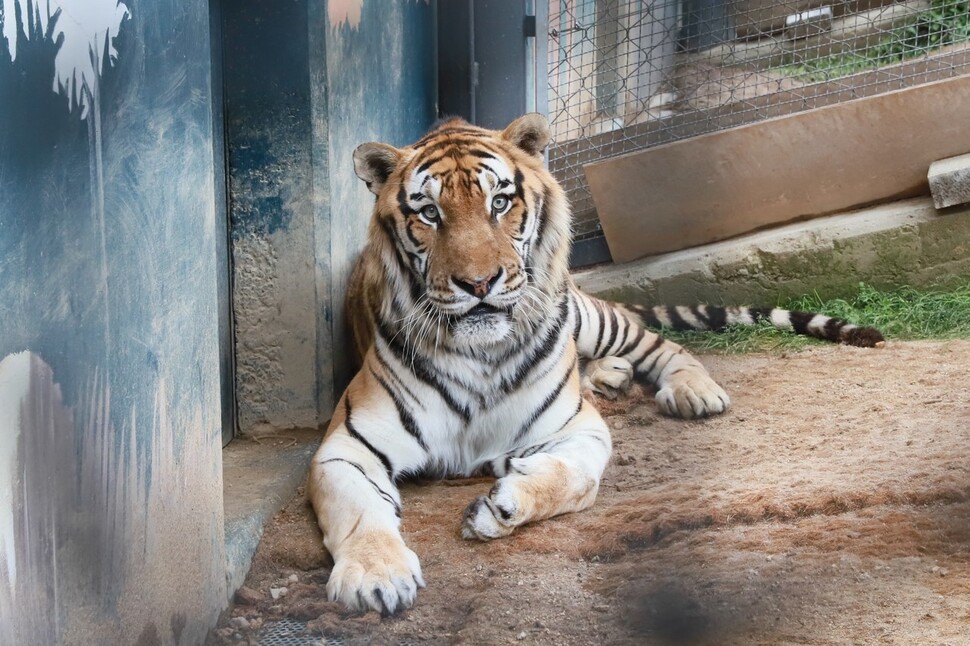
x=463, y=210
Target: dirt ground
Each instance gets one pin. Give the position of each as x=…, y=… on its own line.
x=830, y=505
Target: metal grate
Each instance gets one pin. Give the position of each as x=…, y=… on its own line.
x=625, y=75
x=290, y=632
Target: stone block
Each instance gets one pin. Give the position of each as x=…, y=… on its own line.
x=950, y=181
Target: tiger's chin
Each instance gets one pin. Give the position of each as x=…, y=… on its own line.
x=481, y=326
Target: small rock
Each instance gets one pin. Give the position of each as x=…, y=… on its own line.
x=276, y=593
x=248, y=596
x=292, y=578
x=522, y=635
x=601, y=608
x=768, y=558
x=943, y=571
x=239, y=623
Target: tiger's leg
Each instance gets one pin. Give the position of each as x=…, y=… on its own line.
x=684, y=388
x=358, y=507
x=557, y=475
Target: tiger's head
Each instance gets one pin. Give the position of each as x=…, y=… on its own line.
x=473, y=230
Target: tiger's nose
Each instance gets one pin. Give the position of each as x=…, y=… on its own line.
x=478, y=287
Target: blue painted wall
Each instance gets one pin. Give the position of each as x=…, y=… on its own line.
x=271, y=196
x=110, y=417
x=306, y=82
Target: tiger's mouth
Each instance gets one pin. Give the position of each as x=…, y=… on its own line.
x=484, y=309
x=482, y=325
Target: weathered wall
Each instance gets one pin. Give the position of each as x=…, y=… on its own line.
x=110, y=466
x=268, y=131
x=306, y=82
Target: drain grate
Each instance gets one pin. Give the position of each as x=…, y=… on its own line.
x=290, y=632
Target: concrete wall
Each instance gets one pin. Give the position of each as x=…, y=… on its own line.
x=306, y=82
x=269, y=135
x=111, y=527
x=905, y=243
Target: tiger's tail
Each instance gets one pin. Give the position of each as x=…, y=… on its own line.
x=709, y=317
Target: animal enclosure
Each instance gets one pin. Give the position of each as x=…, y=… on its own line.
x=625, y=75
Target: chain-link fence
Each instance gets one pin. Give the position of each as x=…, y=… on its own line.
x=629, y=74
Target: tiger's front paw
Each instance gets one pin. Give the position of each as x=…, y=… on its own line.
x=482, y=520
x=375, y=571
x=608, y=377
x=690, y=394
x=492, y=516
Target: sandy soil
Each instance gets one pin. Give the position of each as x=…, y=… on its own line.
x=831, y=505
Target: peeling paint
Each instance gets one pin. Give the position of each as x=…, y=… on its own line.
x=86, y=541
x=344, y=11
x=341, y=12
x=86, y=29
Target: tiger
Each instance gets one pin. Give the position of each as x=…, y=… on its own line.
x=470, y=335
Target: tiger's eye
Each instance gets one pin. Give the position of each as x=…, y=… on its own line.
x=430, y=213
x=499, y=203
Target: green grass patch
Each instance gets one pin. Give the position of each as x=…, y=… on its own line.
x=900, y=314
x=946, y=22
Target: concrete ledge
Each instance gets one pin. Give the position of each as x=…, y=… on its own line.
x=903, y=243
x=259, y=477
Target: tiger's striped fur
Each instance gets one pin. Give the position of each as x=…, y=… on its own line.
x=469, y=332
x=617, y=326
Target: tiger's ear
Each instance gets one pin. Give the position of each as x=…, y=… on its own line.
x=374, y=163
x=529, y=132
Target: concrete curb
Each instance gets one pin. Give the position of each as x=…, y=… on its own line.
x=903, y=243
x=259, y=478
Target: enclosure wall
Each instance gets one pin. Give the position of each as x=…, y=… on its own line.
x=306, y=83
x=111, y=527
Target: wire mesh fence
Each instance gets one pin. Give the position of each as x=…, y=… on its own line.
x=625, y=75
